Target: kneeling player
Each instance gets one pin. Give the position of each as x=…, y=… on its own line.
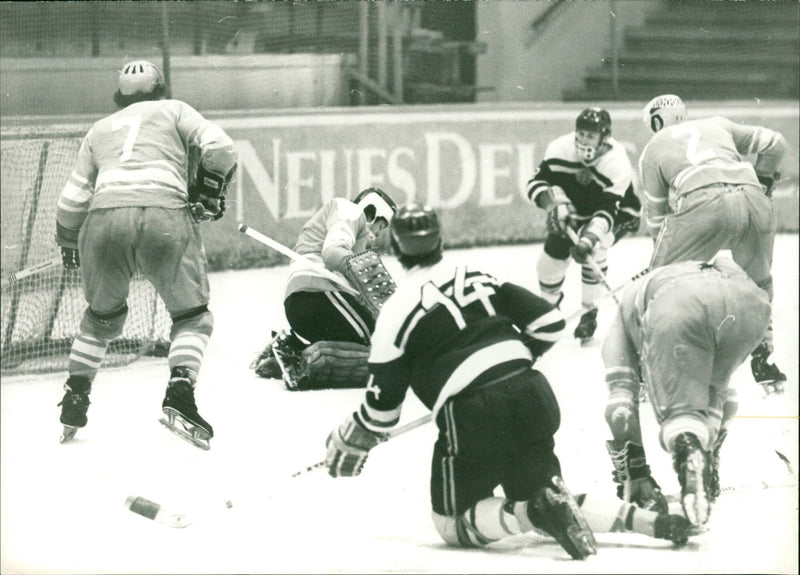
x=465, y=343
x=328, y=343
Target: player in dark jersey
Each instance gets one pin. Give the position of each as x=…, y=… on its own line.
x=465, y=343
x=584, y=182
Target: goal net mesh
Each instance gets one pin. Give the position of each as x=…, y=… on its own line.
x=41, y=313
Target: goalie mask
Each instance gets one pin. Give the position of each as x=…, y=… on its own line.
x=375, y=203
x=592, y=129
x=663, y=111
x=139, y=76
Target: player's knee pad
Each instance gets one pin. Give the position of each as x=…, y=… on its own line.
x=333, y=365
x=551, y=271
x=198, y=319
x=489, y=520
x=105, y=326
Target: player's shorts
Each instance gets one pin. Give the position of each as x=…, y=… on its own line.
x=328, y=316
x=164, y=244
x=697, y=329
x=497, y=434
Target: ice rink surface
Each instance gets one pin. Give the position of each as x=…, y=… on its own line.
x=63, y=505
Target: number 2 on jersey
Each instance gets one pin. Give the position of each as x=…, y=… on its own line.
x=692, y=137
x=132, y=123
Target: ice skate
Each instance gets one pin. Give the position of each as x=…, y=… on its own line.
x=713, y=480
x=266, y=365
x=586, y=327
x=289, y=357
x=766, y=374
x=691, y=464
x=74, y=406
x=555, y=511
x=182, y=417
x=675, y=528
x=633, y=479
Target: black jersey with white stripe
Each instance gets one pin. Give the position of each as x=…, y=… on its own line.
x=447, y=328
x=596, y=188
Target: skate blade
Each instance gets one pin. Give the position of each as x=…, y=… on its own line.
x=288, y=377
x=696, y=505
x=186, y=430
x=68, y=433
x=580, y=534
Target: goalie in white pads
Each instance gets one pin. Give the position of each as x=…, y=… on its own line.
x=684, y=329
x=465, y=344
x=328, y=343
x=130, y=204
x=582, y=182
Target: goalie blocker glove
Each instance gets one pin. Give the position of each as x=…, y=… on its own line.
x=207, y=194
x=348, y=447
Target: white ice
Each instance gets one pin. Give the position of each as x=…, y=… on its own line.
x=62, y=505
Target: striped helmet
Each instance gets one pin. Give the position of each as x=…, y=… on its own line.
x=663, y=111
x=139, y=76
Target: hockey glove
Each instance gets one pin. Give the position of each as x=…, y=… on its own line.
x=70, y=258
x=626, y=224
x=768, y=182
x=348, y=446
x=559, y=210
x=585, y=247
x=67, y=240
x=207, y=194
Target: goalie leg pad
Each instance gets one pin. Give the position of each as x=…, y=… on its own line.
x=334, y=365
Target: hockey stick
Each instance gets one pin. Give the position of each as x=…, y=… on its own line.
x=40, y=267
x=593, y=264
x=390, y=435
x=299, y=258
x=611, y=292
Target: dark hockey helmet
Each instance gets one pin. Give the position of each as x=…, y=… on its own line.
x=592, y=120
x=595, y=119
x=415, y=230
x=376, y=204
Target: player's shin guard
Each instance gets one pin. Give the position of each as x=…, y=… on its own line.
x=489, y=520
x=551, y=273
x=609, y=516
x=189, y=336
x=86, y=355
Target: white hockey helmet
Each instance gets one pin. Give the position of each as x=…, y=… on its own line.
x=376, y=204
x=139, y=76
x=663, y=111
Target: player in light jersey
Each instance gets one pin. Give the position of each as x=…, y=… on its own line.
x=134, y=202
x=318, y=308
x=465, y=343
x=683, y=329
x=583, y=181
x=702, y=196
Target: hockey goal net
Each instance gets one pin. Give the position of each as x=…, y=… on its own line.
x=41, y=312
